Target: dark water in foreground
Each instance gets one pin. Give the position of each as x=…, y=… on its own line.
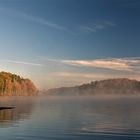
x=71, y=118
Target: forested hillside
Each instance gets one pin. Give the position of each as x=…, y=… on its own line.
x=110, y=86
x=14, y=85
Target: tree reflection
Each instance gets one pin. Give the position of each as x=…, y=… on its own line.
x=23, y=110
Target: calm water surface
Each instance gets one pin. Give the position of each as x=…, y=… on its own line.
x=71, y=118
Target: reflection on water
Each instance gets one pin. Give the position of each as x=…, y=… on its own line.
x=23, y=109
x=72, y=118
x=114, y=115
x=87, y=116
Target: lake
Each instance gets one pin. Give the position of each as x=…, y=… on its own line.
x=70, y=118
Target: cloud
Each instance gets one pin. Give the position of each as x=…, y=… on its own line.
x=22, y=62
x=130, y=64
x=80, y=75
x=28, y=17
x=88, y=76
x=97, y=26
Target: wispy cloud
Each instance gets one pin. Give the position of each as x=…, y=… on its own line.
x=88, y=76
x=31, y=18
x=97, y=26
x=80, y=75
x=22, y=63
x=131, y=64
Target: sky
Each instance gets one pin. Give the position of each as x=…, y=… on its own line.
x=70, y=42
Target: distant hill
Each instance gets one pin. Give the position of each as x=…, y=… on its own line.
x=14, y=85
x=110, y=86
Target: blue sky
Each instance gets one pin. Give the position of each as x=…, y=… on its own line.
x=69, y=42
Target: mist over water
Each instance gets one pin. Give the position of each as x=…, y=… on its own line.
x=74, y=117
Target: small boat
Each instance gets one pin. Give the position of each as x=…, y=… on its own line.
x=3, y=108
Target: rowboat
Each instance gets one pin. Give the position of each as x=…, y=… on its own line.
x=3, y=108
